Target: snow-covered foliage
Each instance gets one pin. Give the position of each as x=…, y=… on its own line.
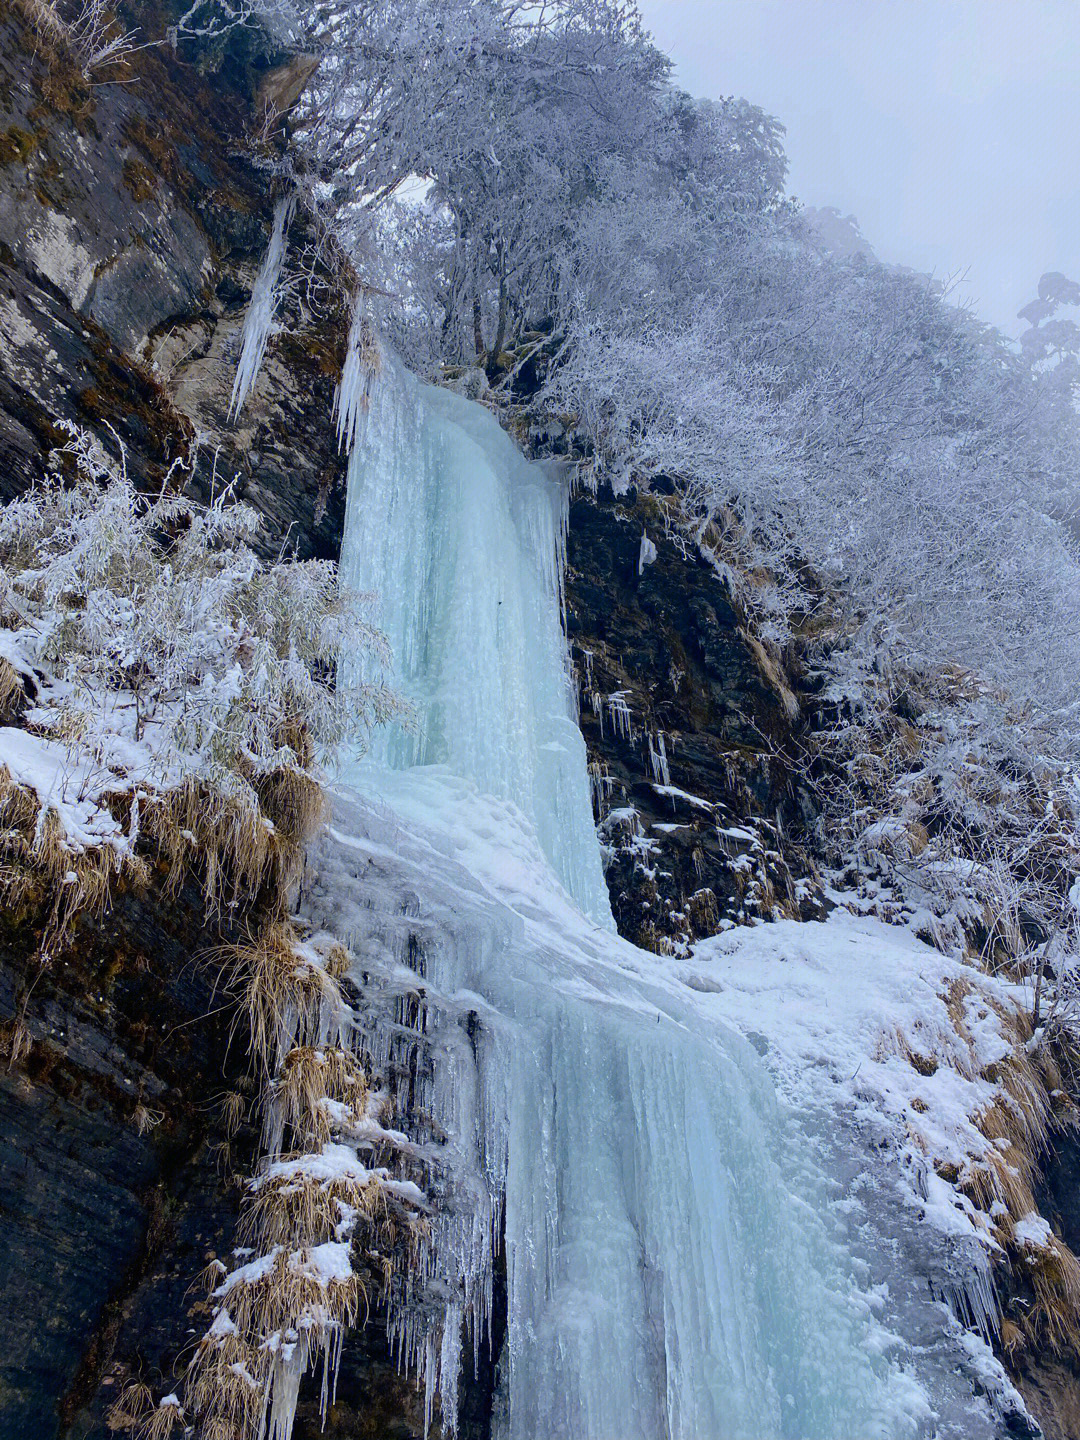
x=447, y=146
x=834, y=415
x=149, y=653
x=87, y=30
x=939, y=804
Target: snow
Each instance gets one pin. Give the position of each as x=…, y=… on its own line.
x=841, y=1007
x=328, y=1263
x=222, y=1325
x=1033, y=1231
x=66, y=782
x=340, y=1162
x=672, y=792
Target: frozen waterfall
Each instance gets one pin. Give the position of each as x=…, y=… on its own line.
x=462, y=541
x=672, y=1271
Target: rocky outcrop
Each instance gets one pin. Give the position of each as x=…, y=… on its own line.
x=688, y=723
x=133, y=217
x=113, y=1191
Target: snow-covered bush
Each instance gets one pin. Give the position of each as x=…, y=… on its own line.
x=158, y=658
x=942, y=809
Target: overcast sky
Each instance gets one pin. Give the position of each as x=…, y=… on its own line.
x=949, y=128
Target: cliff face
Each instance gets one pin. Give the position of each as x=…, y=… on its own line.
x=688, y=725
x=132, y=221
x=133, y=217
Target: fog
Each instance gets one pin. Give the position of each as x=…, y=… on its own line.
x=949, y=128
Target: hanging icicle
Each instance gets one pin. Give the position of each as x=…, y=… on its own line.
x=362, y=364
x=259, y=320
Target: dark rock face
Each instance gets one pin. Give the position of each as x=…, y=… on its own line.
x=1049, y=1380
x=686, y=720
x=111, y=1199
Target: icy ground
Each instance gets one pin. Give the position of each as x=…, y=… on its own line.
x=720, y=1205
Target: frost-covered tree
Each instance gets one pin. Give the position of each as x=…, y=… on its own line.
x=505, y=117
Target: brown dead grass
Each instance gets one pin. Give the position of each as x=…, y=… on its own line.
x=295, y=1106
x=288, y=1291
x=129, y=1407
x=291, y=1210
x=11, y=690
x=245, y=844
x=1017, y=1127
x=162, y=1422
x=226, y=1385
x=288, y=997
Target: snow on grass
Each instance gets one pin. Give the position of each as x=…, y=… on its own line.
x=69, y=783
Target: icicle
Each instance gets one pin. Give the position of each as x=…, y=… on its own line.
x=658, y=760
x=362, y=364
x=259, y=319
x=619, y=714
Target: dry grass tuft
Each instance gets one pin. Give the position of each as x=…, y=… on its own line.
x=1012, y=1337
x=294, y=802
x=1055, y=1276
x=246, y=843
x=1002, y=1177
x=162, y=1422
x=288, y=1290
x=38, y=863
x=295, y=1104
x=144, y=1119
x=233, y=1110
x=129, y=1406
x=1002, y=1181
x=43, y=18
x=287, y=994
x=293, y=1209
x=15, y=1040
x=11, y=690
x=226, y=1384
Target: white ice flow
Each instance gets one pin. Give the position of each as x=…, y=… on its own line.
x=673, y=1270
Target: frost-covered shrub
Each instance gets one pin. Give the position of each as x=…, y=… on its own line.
x=171, y=663
x=938, y=800
x=87, y=29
